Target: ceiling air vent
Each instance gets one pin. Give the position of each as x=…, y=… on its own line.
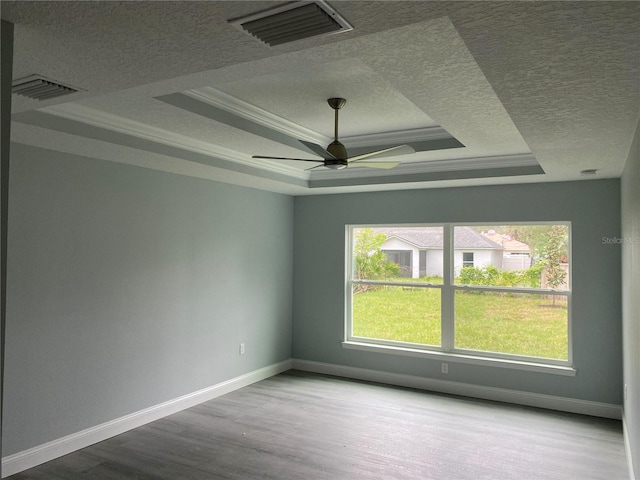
x=40, y=88
x=293, y=21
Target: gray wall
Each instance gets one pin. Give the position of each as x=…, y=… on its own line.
x=6, y=68
x=630, y=186
x=130, y=287
x=592, y=206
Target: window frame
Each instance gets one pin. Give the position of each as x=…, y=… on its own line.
x=447, y=350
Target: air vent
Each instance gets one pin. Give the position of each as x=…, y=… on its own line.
x=293, y=21
x=40, y=88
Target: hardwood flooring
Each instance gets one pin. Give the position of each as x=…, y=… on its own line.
x=305, y=426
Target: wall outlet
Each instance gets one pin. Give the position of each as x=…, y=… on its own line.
x=445, y=368
x=242, y=349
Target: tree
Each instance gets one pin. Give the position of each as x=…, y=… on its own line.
x=370, y=261
x=535, y=236
x=552, y=257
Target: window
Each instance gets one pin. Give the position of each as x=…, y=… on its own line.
x=402, y=258
x=499, y=291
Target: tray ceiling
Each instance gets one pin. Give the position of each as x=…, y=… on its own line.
x=485, y=93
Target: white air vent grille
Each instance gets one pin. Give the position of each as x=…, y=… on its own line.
x=293, y=21
x=40, y=88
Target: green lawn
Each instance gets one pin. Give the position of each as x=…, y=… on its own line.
x=394, y=313
x=519, y=324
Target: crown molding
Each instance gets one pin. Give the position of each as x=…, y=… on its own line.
x=256, y=114
x=108, y=121
x=127, y=126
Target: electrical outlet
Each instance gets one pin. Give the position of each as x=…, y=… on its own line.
x=242, y=349
x=445, y=368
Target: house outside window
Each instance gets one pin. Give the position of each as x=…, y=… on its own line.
x=408, y=288
x=403, y=259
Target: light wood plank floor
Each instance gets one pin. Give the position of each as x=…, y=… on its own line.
x=305, y=426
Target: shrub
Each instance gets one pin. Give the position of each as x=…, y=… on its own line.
x=491, y=276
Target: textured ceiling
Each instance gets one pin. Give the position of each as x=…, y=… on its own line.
x=516, y=83
x=373, y=104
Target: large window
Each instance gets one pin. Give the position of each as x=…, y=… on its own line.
x=500, y=291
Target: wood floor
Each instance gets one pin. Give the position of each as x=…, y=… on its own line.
x=305, y=426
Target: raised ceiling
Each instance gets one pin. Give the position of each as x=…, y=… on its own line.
x=485, y=92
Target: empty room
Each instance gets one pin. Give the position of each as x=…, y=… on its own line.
x=320, y=240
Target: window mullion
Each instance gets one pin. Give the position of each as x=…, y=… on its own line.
x=447, y=320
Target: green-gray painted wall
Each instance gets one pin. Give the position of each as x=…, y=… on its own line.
x=130, y=287
x=593, y=207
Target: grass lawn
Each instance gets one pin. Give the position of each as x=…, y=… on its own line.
x=524, y=325
x=394, y=313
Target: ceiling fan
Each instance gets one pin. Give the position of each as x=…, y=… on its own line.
x=336, y=157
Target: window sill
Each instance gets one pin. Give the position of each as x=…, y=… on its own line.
x=460, y=358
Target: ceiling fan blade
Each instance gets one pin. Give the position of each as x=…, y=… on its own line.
x=387, y=152
x=317, y=149
x=286, y=158
x=374, y=164
x=312, y=168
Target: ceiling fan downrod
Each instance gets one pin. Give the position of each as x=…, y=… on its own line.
x=336, y=148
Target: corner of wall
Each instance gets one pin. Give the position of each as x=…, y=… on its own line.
x=630, y=229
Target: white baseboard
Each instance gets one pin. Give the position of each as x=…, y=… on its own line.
x=627, y=448
x=32, y=457
x=551, y=402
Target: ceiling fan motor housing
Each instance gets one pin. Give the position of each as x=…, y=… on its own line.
x=338, y=150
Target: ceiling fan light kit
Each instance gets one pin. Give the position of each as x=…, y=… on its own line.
x=335, y=156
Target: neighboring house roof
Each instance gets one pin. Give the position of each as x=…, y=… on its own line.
x=431, y=237
x=508, y=243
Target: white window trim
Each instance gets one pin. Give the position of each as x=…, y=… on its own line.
x=441, y=356
x=447, y=351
